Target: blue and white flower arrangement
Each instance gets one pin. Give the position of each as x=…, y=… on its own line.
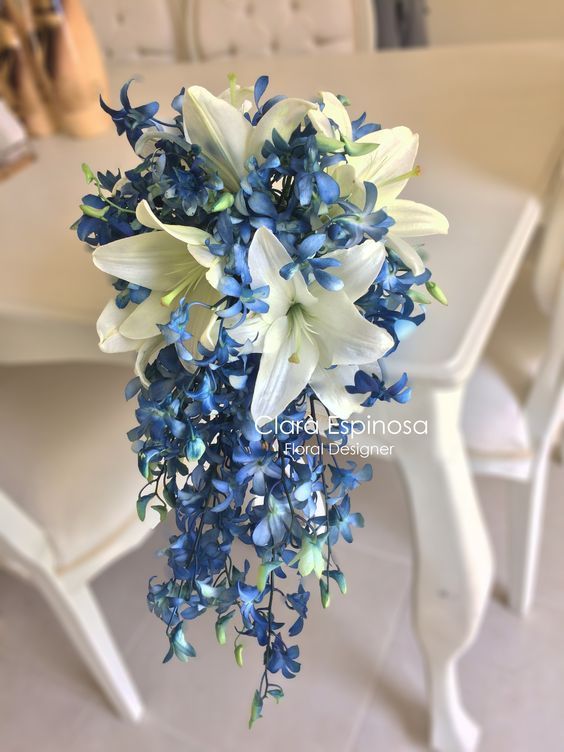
x=263, y=265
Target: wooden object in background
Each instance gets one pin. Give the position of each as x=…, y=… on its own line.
x=19, y=84
x=73, y=65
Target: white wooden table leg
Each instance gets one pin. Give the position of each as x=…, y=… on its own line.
x=453, y=559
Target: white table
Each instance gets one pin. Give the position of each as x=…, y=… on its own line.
x=490, y=119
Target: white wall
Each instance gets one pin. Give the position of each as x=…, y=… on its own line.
x=458, y=21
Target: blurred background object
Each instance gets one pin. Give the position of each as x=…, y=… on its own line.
x=51, y=70
x=462, y=22
x=401, y=23
x=15, y=148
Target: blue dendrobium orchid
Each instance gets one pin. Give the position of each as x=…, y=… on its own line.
x=262, y=262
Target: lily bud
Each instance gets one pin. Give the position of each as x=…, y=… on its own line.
x=436, y=292
x=91, y=211
x=356, y=149
x=328, y=144
x=225, y=201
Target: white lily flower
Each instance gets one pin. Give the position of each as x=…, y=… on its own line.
x=225, y=135
x=389, y=167
x=308, y=331
x=173, y=262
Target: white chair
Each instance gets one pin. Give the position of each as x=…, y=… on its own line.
x=257, y=28
x=514, y=405
x=200, y=30
x=68, y=486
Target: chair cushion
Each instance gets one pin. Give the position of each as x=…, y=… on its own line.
x=492, y=417
x=521, y=334
x=270, y=27
x=132, y=30
x=65, y=457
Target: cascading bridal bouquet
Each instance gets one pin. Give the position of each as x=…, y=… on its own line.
x=263, y=265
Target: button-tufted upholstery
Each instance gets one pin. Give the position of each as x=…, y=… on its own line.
x=230, y=28
x=130, y=30
x=165, y=30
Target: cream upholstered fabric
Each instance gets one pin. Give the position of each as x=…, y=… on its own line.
x=256, y=28
x=493, y=418
x=65, y=457
x=130, y=30
x=165, y=30
x=520, y=338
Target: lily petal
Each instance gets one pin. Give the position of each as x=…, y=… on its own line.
x=154, y=259
x=394, y=157
x=239, y=96
x=285, y=116
x=108, y=328
x=337, y=112
x=147, y=352
x=253, y=329
x=344, y=336
x=221, y=131
x=189, y=235
x=279, y=381
x=413, y=219
x=360, y=265
x=267, y=256
x=142, y=321
x=329, y=385
x=406, y=252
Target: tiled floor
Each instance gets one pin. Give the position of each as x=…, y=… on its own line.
x=361, y=686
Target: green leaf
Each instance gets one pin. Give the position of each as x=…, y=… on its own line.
x=436, y=292
x=162, y=510
x=142, y=502
x=239, y=655
x=91, y=211
x=178, y=646
x=256, y=708
x=277, y=693
x=339, y=578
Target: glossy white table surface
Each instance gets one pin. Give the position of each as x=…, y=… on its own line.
x=490, y=119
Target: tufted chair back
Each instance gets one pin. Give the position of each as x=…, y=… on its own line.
x=167, y=30
x=256, y=28
x=131, y=30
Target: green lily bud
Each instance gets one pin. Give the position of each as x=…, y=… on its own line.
x=325, y=596
x=328, y=144
x=220, y=632
x=91, y=211
x=436, y=292
x=256, y=708
x=225, y=201
x=88, y=174
x=356, y=149
x=418, y=297
x=239, y=655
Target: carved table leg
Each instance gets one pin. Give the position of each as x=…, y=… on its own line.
x=453, y=558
